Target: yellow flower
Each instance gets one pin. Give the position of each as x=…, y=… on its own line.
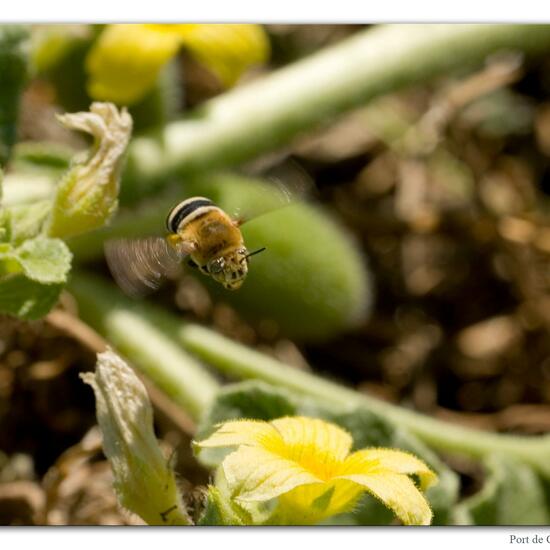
x=307, y=464
x=125, y=61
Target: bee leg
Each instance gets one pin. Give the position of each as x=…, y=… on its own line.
x=173, y=240
x=238, y=222
x=181, y=246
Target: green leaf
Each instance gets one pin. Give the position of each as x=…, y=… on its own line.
x=250, y=399
x=513, y=494
x=27, y=299
x=44, y=260
x=34, y=274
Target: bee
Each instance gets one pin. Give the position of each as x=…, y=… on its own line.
x=196, y=228
x=208, y=237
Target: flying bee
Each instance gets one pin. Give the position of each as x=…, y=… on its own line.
x=205, y=234
x=196, y=228
x=213, y=240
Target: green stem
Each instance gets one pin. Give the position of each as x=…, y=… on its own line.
x=27, y=188
x=269, y=112
x=142, y=335
x=241, y=362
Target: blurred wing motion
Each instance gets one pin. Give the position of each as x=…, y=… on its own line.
x=291, y=179
x=139, y=266
x=287, y=183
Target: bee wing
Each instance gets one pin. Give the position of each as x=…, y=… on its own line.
x=139, y=266
x=290, y=181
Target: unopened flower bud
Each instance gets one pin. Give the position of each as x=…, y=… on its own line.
x=144, y=482
x=88, y=194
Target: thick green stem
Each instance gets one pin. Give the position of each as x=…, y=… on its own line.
x=142, y=335
x=269, y=112
x=241, y=362
x=27, y=188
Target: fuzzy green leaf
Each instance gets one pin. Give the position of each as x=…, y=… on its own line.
x=32, y=274
x=251, y=399
x=513, y=494
x=27, y=299
x=44, y=260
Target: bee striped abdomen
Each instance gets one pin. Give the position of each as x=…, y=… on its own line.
x=188, y=210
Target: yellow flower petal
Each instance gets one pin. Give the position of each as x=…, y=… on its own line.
x=125, y=61
x=318, y=446
x=256, y=475
x=398, y=493
x=310, y=504
x=242, y=432
x=226, y=50
x=368, y=460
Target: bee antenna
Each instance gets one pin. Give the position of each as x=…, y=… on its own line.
x=253, y=253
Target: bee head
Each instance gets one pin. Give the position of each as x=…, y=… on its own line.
x=230, y=269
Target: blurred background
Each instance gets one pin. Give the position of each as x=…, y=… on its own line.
x=441, y=191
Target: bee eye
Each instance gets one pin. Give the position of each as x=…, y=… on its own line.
x=216, y=266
